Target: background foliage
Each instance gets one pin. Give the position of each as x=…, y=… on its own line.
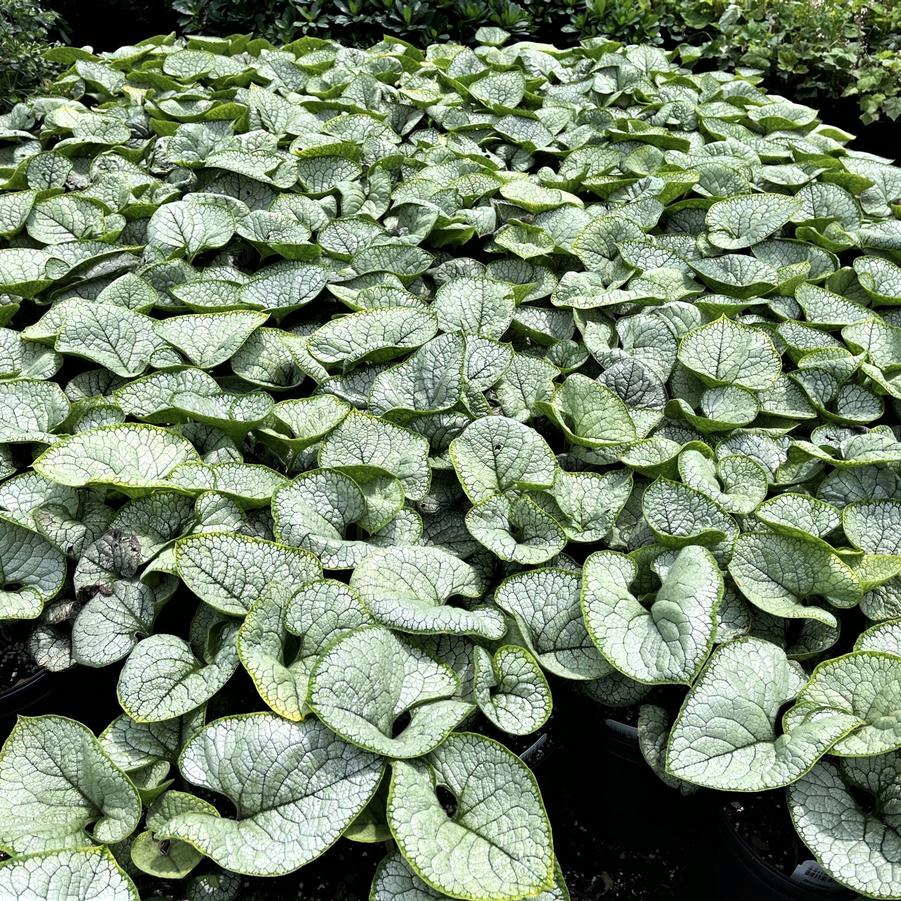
x=26, y=28
x=813, y=48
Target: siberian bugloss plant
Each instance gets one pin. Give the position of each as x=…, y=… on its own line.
x=418, y=386
x=815, y=50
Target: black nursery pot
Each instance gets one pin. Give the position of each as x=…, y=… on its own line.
x=537, y=750
x=620, y=776
x=619, y=831
x=749, y=870
x=19, y=698
x=607, y=738
x=619, y=738
x=32, y=696
x=81, y=693
x=22, y=683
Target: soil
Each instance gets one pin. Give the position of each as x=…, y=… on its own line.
x=757, y=834
x=16, y=663
x=606, y=855
x=344, y=873
x=619, y=833
x=762, y=822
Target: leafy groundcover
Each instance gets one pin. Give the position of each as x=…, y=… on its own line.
x=409, y=383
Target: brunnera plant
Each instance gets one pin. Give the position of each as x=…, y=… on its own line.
x=409, y=384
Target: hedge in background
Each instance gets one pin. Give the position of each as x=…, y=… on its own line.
x=26, y=30
x=815, y=50
x=365, y=399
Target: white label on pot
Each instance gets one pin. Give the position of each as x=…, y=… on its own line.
x=811, y=874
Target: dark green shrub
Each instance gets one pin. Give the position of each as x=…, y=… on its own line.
x=26, y=27
x=631, y=21
x=358, y=21
x=814, y=48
